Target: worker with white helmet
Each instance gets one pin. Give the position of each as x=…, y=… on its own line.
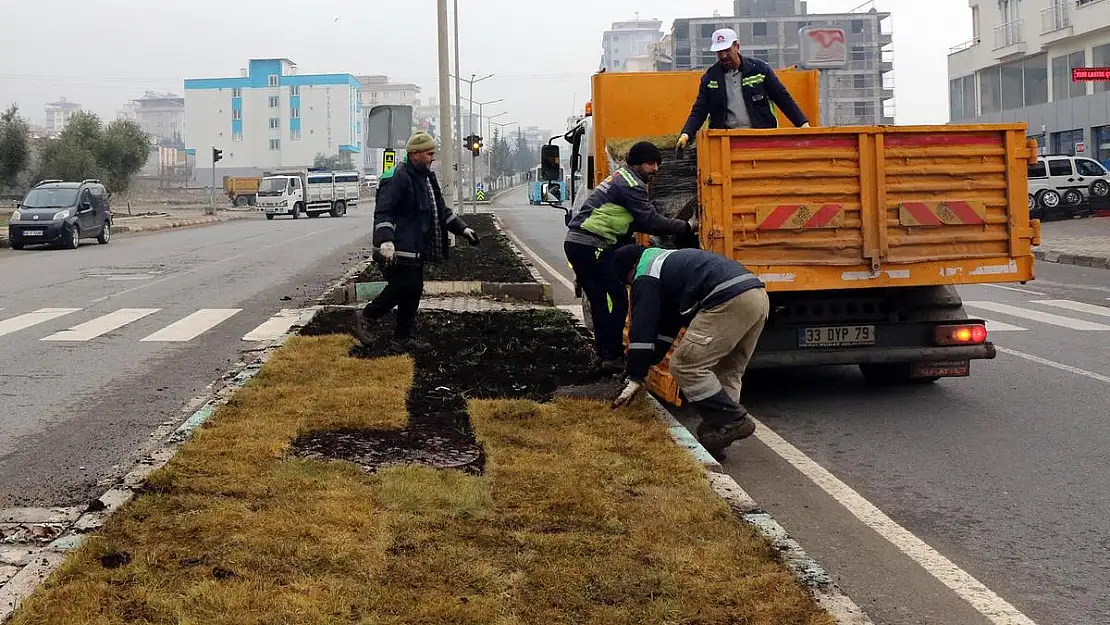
x=737, y=92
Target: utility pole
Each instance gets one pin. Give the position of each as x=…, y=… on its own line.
x=447, y=156
x=470, y=120
x=458, y=113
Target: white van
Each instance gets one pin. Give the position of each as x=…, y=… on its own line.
x=1060, y=179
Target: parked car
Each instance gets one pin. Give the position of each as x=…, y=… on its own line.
x=371, y=182
x=62, y=213
x=1060, y=183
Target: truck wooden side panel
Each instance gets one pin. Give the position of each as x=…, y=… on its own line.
x=658, y=103
x=858, y=207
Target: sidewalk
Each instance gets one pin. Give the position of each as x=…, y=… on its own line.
x=147, y=220
x=1082, y=242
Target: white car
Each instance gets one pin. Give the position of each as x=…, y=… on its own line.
x=1060, y=179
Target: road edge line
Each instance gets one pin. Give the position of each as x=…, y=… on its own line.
x=805, y=569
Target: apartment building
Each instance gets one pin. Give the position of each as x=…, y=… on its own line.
x=161, y=115
x=629, y=42
x=270, y=116
x=860, y=94
x=1018, y=68
x=58, y=115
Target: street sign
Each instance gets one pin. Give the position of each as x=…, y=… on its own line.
x=480, y=196
x=1090, y=74
x=389, y=160
x=388, y=126
x=479, y=186
x=823, y=48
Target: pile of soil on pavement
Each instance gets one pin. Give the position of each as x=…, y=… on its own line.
x=487, y=355
x=492, y=261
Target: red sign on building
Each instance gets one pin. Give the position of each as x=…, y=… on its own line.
x=1088, y=74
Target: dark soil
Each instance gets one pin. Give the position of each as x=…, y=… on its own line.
x=490, y=355
x=492, y=261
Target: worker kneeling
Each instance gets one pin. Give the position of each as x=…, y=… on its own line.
x=724, y=307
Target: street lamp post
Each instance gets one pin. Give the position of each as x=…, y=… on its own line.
x=445, y=135
x=470, y=119
x=502, y=126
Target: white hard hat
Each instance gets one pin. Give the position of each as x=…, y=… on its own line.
x=723, y=39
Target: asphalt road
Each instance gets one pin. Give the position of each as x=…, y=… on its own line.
x=1005, y=473
x=82, y=391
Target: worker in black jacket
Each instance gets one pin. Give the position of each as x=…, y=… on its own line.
x=723, y=307
x=615, y=210
x=411, y=222
x=737, y=92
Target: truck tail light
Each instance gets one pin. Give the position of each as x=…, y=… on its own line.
x=965, y=334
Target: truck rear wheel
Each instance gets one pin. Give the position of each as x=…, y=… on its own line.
x=240, y=200
x=339, y=209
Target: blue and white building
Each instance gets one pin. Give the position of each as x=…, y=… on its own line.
x=271, y=117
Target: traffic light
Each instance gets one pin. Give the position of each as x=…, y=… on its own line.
x=474, y=144
x=217, y=155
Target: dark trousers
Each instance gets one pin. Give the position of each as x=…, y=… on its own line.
x=404, y=286
x=607, y=294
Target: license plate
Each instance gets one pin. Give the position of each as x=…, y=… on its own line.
x=836, y=336
x=32, y=233
x=956, y=369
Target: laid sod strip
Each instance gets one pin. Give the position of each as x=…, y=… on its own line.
x=492, y=261
x=582, y=514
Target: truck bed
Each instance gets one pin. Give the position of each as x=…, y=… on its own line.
x=860, y=207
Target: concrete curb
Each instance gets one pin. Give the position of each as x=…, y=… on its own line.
x=181, y=223
x=811, y=575
x=1068, y=258
x=198, y=410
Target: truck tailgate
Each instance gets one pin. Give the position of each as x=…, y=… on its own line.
x=853, y=207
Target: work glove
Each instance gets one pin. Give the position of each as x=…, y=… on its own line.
x=805, y=125
x=471, y=236
x=631, y=389
x=683, y=140
x=694, y=224
x=388, y=252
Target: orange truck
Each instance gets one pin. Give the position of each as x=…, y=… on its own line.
x=242, y=190
x=861, y=233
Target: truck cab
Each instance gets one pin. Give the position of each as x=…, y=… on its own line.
x=281, y=195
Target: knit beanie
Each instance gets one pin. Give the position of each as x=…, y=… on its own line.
x=625, y=260
x=644, y=152
x=420, y=142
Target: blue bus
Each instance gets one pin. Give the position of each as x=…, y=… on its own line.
x=546, y=191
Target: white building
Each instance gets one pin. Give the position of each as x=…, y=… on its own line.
x=162, y=116
x=58, y=115
x=271, y=117
x=629, y=40
x=1018, y=68
x=376, y=90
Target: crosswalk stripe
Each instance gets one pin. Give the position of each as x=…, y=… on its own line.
x=998, y=326
x=1082, y=307
x=1036, y=315
x=42, y=315
x=274, y=327
x=194, y=325
x=102, y=325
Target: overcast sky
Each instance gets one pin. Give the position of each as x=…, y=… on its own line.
x=102, y=53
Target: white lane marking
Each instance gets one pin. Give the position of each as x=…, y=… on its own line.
x=128, y=278
x=192, y=326
x=541, y=262
x=42, y=315
x=215, y=263
x=274, y=327
x=1014, y=289
x=1043, y=317
x=996, y=609
x=102, y=325
x=1082, y=307
x=1055, y=365
x=998, y=326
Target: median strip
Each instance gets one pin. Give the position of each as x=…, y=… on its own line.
x=570, y=513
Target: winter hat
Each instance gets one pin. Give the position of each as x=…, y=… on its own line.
x=420, y=142
x=625, y=260
x=644, y=152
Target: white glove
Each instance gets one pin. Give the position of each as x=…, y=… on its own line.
x=805, y=125
x=388, y=252
x=694, y=223
x=471, y=236
x=683, y=140
x=627, y=395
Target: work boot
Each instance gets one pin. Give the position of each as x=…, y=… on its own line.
x=408, y=346
x=716, y=438
x=362, y=328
